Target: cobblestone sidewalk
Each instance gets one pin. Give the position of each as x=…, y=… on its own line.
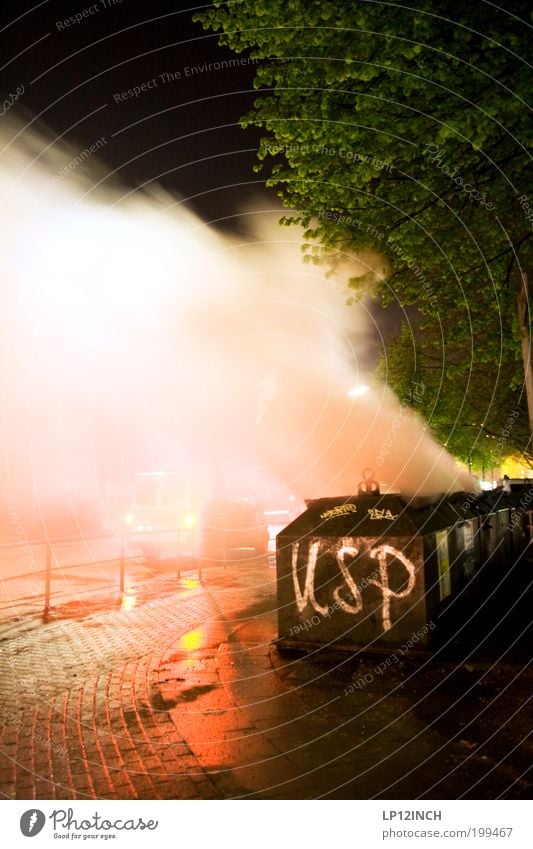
x=186, y=697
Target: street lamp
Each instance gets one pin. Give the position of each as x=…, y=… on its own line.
x=357, y=391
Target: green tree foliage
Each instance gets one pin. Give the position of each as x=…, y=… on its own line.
x=475, y=416
x=404, y=129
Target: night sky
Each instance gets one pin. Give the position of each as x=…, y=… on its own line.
x=181, y=131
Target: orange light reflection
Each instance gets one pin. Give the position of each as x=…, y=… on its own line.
x=191, y=641
x=129, y=600
x=190, y=583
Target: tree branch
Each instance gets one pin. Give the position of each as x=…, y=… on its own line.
x=497, y=256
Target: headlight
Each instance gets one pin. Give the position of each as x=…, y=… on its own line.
x=189, y=519
x=128, y=518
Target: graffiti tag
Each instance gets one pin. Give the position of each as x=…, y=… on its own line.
x=376, y=513
x=384, y=554
x=340, y=510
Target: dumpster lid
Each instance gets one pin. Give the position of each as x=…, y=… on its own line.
x=371, y=516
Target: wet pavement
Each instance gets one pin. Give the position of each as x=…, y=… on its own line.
x=182, y=693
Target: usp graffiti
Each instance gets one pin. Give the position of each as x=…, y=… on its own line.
x=343, y=550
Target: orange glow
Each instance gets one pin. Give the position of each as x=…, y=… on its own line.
x=514, y=468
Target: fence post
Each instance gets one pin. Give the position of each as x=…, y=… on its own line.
x=47, y=578
x=529, y=514
x=122, y=565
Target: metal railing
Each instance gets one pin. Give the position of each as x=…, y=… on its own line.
x=182, y=561
x=48, y=547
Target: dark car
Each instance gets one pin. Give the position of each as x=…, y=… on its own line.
x=233, y=528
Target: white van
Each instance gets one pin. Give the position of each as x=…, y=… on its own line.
x=161, y=518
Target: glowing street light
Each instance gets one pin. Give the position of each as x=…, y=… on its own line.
x=357, y=391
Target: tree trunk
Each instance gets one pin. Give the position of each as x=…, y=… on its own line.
x=525, y=336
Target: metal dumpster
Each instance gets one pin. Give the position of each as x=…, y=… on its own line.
x=519, y=503
x=498, y=543
x=467, y=538
x=366, y=570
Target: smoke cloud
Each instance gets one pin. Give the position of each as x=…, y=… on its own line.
x=135, y=337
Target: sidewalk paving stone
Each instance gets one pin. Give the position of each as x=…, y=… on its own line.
x=186, y=697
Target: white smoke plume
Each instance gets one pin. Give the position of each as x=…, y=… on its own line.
x=134, y=337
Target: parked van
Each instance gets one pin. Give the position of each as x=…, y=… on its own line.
x=161, y=517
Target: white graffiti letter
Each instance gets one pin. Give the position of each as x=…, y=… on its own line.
x=352, y=586
x=380, y=554
x=308, y=596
